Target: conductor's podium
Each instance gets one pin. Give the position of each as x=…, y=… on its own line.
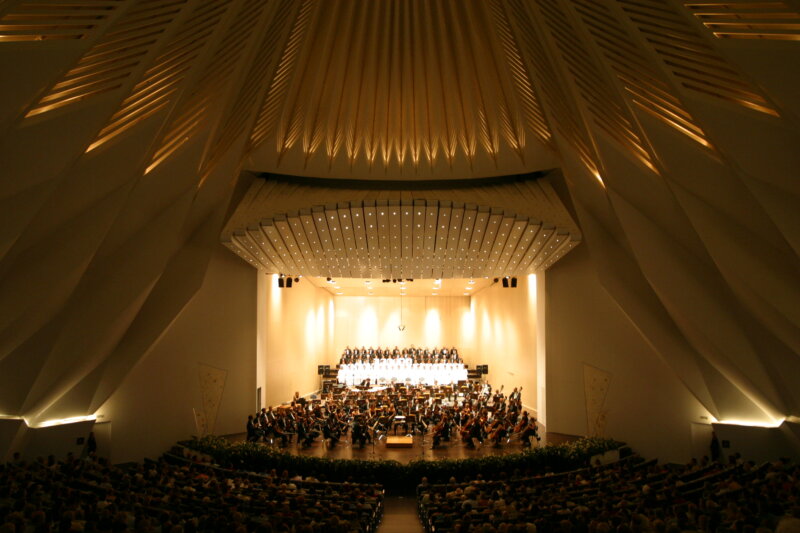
x=399, y=442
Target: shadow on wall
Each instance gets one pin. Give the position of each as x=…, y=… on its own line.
x=759, y=443
x=58, y=440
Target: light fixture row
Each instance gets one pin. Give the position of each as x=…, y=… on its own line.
x=503, y=244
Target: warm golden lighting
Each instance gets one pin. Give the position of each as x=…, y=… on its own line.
x=63, y=421
x=433, y=328
x=752, y=423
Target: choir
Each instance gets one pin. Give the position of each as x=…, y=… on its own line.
x=413, y=366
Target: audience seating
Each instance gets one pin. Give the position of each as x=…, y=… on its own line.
x=630, y=496
x=176, y=494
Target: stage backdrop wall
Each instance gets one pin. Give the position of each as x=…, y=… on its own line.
x=602, y=377
x=430, y=321
x=504, y=331
x=295, y=332
x=204, y=362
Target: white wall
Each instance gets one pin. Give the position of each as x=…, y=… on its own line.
x=504, y=334
x=295, y=333
x=430, y=321
x=646, y=405
x=152, y=409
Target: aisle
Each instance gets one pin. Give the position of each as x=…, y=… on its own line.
x=400, y=516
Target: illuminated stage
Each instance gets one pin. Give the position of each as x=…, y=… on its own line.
x=420, y=449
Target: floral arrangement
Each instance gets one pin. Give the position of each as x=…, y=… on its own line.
x=256, y=457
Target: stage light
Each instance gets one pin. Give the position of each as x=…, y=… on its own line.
x=513, y=283
x=281, y=282
x=505, y=283
x=297, y=279
x=288, y=283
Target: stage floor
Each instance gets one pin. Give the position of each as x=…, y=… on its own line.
x=455, y=449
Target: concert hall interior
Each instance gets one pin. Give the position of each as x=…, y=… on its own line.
x=202, y=201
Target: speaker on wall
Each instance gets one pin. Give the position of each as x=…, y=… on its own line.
x=320, y=369
x=505, y=283
x=513, y=283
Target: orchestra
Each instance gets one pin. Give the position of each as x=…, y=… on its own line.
x=471, y=411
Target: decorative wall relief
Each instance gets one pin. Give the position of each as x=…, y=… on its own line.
x=200, y=424
x=212, y=385
x=595, y=386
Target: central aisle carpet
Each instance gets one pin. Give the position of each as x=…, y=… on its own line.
x=400, y=516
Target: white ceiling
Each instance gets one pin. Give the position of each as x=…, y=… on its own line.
x=511, y=226
x=416, y=288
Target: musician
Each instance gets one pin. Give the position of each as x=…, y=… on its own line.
x=361, y=433
x=476, y=431
x=530, y=431
x=441, y=431
x=306, y=432
x=331, y=432
x=283, y=430
x=252, y=429
x=498, y=431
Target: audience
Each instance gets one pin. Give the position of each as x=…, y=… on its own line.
x=176, y=495
x=630, y=496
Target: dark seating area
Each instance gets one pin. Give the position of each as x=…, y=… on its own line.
x=629, y=496
x=176, y=494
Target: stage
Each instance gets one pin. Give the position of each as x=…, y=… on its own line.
x=455, y=449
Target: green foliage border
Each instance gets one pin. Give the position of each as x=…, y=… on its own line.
x=395, y=476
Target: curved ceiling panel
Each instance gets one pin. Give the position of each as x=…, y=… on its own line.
x=314, y=228
x=403, y=90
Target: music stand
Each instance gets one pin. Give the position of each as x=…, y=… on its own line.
x=375, y=438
